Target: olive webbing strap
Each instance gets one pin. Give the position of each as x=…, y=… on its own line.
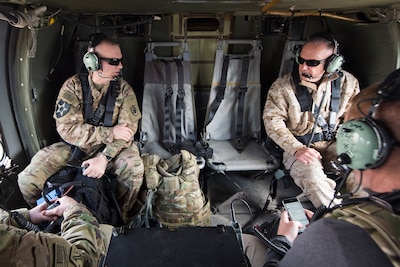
x=180, y=105
x=105, y=110
x=335, y=102
x=221, y=90
x=87, y=97
x=111, y=96
x=241, y=98
x=305, y=100
x=167, y=102
x=303, y=96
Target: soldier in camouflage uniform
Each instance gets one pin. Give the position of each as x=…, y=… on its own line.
x=360, y=231
x=81, y=242
x=286, y=124
x=102, y=146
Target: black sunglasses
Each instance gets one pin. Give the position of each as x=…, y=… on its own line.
x=310, y=62
x=112, y=61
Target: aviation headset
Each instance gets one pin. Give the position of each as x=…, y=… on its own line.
x=366, y=143
x=335, y=61
x=90, y=59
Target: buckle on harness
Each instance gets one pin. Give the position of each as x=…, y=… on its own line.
x=328, y=135
x=239, y=144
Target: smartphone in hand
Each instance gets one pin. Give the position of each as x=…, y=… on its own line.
x=295, y=210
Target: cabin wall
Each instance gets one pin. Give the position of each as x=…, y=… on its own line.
x=8, y=127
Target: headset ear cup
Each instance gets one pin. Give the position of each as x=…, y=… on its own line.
x=334, y=63
x=91, y=61
x=385, y=138
x=297, y=54
x=366, y=142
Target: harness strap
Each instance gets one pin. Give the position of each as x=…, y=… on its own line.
x=105, y=110
x=87, y=97
x=111, y=96
x=303, y=96
x=221, y=90
x=328, y=128
x=241, y=98
x=305, y=100
x=180, y=104
x=305, y=139
x=335, y=101
x=145, y=217
x=167, y=102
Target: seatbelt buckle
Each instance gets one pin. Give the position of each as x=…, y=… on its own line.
x=239, y=144
x=328, y=135
x=168, y=91
x=242, y=89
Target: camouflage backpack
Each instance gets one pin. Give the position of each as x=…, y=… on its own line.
x=174, y=191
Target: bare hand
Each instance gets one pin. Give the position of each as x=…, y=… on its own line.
x=309, y=214
x=95, y=167
x=36, y=215
x=289, y=228
x=58, y=211
x=122, y=132
x=40, y=213
x=307, y=155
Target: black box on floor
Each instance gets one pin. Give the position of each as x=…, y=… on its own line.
x=184, y=246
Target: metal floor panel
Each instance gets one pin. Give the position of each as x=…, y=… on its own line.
x=254, y=188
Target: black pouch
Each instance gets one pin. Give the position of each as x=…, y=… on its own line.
x=98, y=195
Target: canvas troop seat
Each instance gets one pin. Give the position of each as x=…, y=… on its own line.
x=168, y=122
x=233, y=116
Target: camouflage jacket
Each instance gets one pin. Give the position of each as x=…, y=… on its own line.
x=80, y=243
x=71, y=123
x=282, y=115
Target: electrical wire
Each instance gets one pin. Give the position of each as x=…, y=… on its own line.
x=236, y=226
x=23, y=222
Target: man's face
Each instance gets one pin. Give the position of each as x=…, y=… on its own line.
x=313, y=54
x=110, y=57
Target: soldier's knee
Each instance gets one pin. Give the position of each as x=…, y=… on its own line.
x=22, y=179
x=135, y=168
x=26, y=180
x=129, y=165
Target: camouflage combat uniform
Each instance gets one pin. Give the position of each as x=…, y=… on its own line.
x=283, y=121
x=81, y=242
x=72, y=128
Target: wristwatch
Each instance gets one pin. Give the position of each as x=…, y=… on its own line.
x=108, y=158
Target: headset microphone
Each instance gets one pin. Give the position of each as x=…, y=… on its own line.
x=103, y=76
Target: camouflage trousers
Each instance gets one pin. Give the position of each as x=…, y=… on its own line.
x=128, y=167
x=311, y=177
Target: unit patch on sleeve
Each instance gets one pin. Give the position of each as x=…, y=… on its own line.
x=62, y=108
x=134, y=110
x=131, y=102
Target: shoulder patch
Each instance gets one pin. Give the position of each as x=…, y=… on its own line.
x=69, y=97
x=131, y=102
x=62, y=108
